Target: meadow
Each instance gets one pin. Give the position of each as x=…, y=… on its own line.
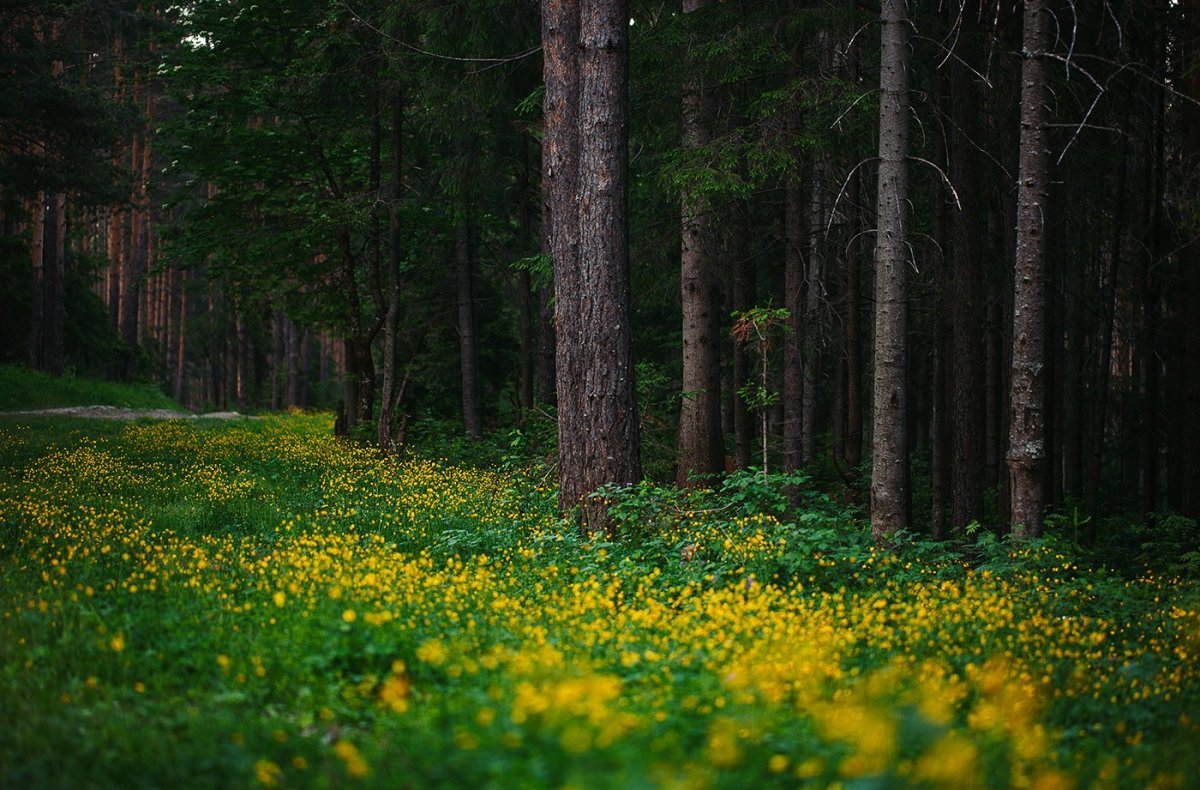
x=260, y=604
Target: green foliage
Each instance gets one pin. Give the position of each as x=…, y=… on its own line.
x=261, y=603
x=23, y=389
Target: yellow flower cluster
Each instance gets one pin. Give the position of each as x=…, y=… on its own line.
x=922, y=682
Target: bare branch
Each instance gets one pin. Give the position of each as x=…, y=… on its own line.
x=945, y=179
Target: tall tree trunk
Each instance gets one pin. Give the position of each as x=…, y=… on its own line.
x=744, y=288
x=131, y=286
x=560, y=172
x=1098, y=428
x=966, y=373
x=701, y=448
x=1026, y=432
x=793, y=291
x=294, y=378
x=467, y=340
x=242, y=388
x=277, y=360
x=814, y=298
x=526, y=307
x=389, y=399
x=854, y=344
x=545, y=295
x=54, y=329
x=37, y=299
x=598, y=428
x=1152, y=290
x=889, y=468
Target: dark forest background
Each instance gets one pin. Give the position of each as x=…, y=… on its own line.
x=340, y=205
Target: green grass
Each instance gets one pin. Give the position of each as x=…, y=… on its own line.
x=258, y=604
x=22, y=389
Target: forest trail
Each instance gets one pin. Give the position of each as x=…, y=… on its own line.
x=119, y=413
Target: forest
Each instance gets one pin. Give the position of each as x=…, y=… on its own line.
x=600, y=393
x=940, y=255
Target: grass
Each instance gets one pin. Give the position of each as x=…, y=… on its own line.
x=22, y=389
x=259, y=604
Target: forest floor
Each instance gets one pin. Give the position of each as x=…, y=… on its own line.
x=191, y=602
x=121, y=413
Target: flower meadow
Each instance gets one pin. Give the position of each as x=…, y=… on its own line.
x=260, y=604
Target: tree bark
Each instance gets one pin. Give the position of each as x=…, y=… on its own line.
x=1026, y=432
x=560, y=173
x=388, y=401
x=37, y=299
x=467, y=341
x=854, y=345
x=966, y=371
x=598, y=426
x=701, y=448
x=889, y=468
x=744, y=287
x=793, y=292
x=814, y=297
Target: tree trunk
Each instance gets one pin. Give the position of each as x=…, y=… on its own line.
x=889, y=468
x=467, y=341
x=814, y=298
x=966, y=306
x=545, y=295
x=389, y=400
x=560, y=173
x=854, y=409
x=526, y=373
x=598, y=416
x=294, y=377
x=1026, y=433
x=54, y=329
x=701, y=448
x=37, y=299
x=744, y=286
x=793, y=297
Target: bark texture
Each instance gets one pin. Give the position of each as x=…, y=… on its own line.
x=1026, y=434
x=889, y=468
x=701, y=448
x=467, y=341
x=587, y=128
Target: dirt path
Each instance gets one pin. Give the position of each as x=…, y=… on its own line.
x=118, y=413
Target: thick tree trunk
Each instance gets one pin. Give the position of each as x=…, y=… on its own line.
x=1026, y=432
x=701, y=448
x=598, y=416
x=889, y=468
x=467, y=340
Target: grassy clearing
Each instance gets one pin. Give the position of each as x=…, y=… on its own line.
x=22, y=389
x=260, y=604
